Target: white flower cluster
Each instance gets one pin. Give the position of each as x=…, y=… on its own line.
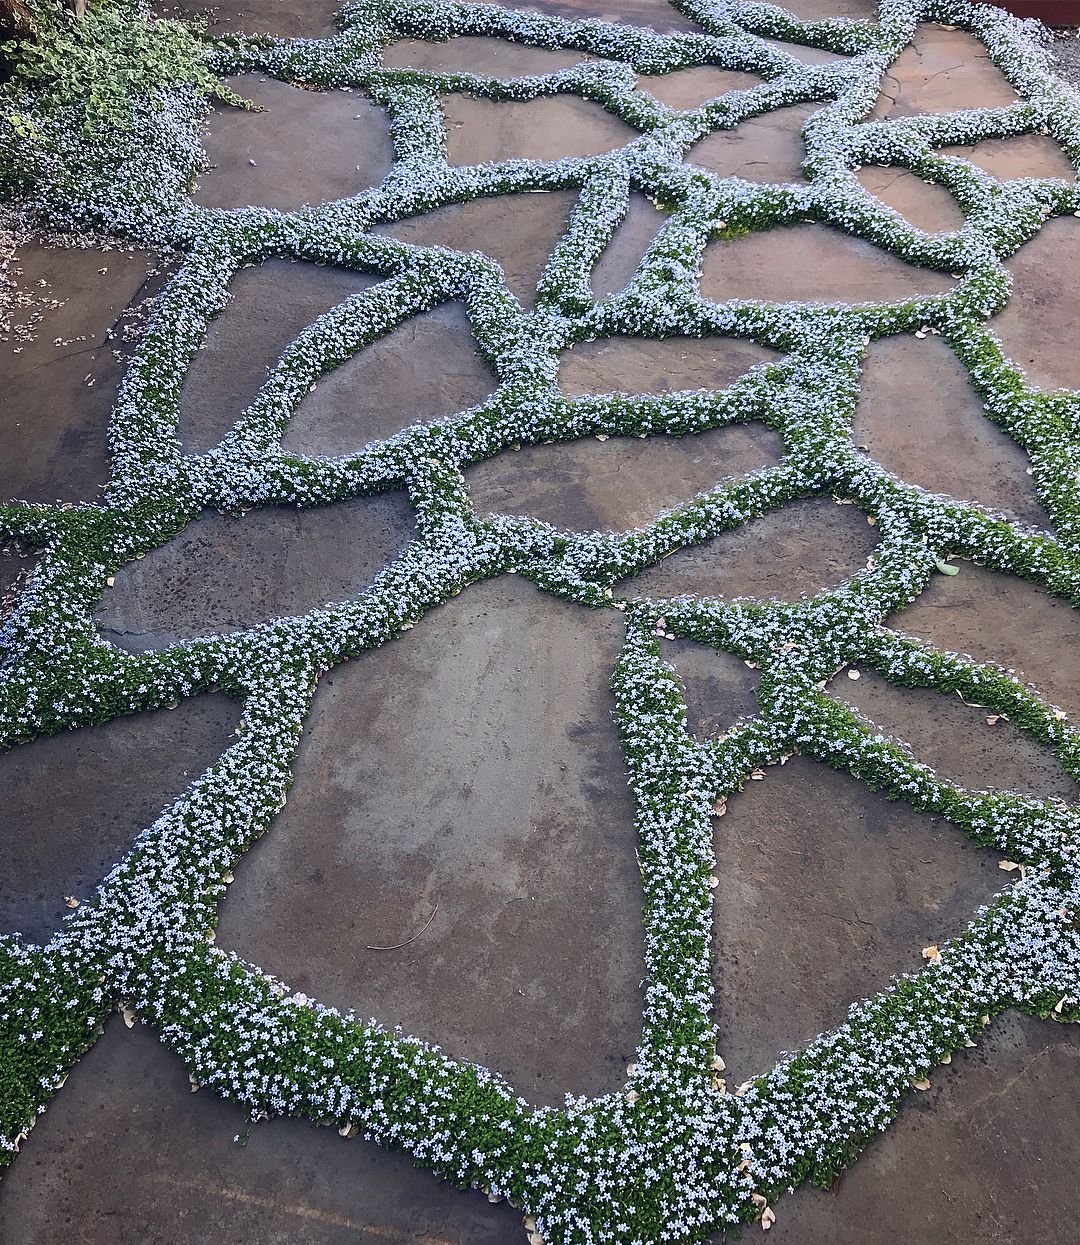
x=674, y=1155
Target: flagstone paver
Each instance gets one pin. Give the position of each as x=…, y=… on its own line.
x=955, y=738
x=804, y=52
x=984, y=1155
x=288, y=19
x=1004, y=620
x=925, y=205
x=518, y=231
x=623, y=254
x=801, y=548
x=497, y=58
x=1043, y=299
x=1028, y=155
x=655, y=14
x=814, y=911
x=105, y=784
x=618, y=483
x=482, y=130
x=719, y=688
x=769, y=148
x=306, y=147
x=61, y=362
x=381, y=389
x=811, y=263
x=649, y=365
x=270, y=303
x=944, y=441
x=471, y=793
x=690, y=88
x=129, y=1144
x=224, y=573
x=942, y=70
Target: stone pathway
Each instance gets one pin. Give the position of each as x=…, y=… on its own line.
x=467, y=781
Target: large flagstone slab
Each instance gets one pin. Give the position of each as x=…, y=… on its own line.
x=768, y=148
x=638, y=365
x=690, y=88
x=942, y=70
x=925, y=205
x=496, y=58
x=1028, y=155
x=628, y=245
x=482, y=131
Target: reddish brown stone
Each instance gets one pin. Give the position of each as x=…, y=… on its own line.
x=496, y=58
x=270, y=305
x=518, y=231
x=626, y=249
x=768, y=148
x=942, y=70
x=955, y=738
x=925, y=205
x=802, y=548
x=811, y=263
x=1030, y=155
x=306, y=147
x=482, y=131
x=381, y=389
x=495, y=790
x=1002, y=619
x=920, y=417
x=827, y=890
x=619, y=483
x=1037, y=324
x=690, y=88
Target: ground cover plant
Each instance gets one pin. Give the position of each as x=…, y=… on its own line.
x=677, y=1152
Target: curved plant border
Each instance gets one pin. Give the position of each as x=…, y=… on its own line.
x=673, y=1155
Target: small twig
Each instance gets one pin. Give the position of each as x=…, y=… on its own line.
x=398, y=945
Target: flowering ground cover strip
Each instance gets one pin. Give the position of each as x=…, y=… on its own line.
x=674, y=1154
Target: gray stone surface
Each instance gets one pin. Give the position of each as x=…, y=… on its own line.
x=472, y=764
x=128, y=1151
x=648, y=365
x=65, y=337
x=73, y=803
x=482, y=131
x=305, y=147
x=270, y=305
x=925, y=205
x=288, y=19
x=921, y=418
x=1029, y=155
x=768, y=148
x=802, y=548
x=426, y=368
x=653, y=14
x=1002, y=619
x=811, y=263
x=628, y=245
x=690, y=88
x=223, y=573
x=498, y=58
x=619, y=483
x=956, y=739
x=518, y=231
x=827, y=890
x=1065, y=51
x=718, y=687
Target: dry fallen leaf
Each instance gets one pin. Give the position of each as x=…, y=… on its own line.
x=854, y=674
x=757, y=774
x=348, y=1130
x=994, y=717
x=1008, y=865
x=931, y=953
x=922, y=1083
x=768, y=1218
x=718, y=1064
x=719, y=808
x=71, y=901
x=129, y=1017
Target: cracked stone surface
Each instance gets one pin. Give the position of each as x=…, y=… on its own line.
x=719, y=688
x=805, y=53
x=799, y=549
x=628, y=245
x=500, y=752
x=59, y=373
x=518, y=231
x=810, y=263
x=942, y=70
x=105, y=784
x=497, y=58
x=128, y=1107
x=307, y=147
x=224, y=573
x=480, y=131
x=270, y=304
x=381, y=390
x=1043, y=299
x=769, y=148
x=288, y=19
x=985, y=1155
x=1029, y=155
x=925, y=205
x=690, y=88
x=955, y=739
x=816, y=911
x=649, y=365
x=943, y=441
x=1003, y=620
x=619, y=483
